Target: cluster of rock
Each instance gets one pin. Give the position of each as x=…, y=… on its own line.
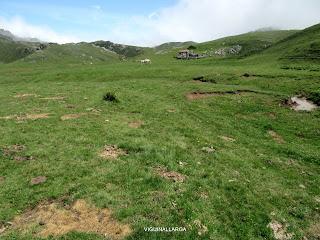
x=233, y=50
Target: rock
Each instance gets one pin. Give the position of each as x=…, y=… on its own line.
x=208, y=149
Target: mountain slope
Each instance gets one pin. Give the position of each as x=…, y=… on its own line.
x=11, y=51
x=121, y=49
x=84, y=53
x=303, y=45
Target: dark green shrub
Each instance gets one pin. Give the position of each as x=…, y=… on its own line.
x=110, y=97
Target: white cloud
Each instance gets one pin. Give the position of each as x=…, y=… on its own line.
x=21, y=28
x=196, y=20
x=202, y=20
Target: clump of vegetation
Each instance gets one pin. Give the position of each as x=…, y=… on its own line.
x=192, y=47
x=314, y=96
x=110, y=97
x=204, y=79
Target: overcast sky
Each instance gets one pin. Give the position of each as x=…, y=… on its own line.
x=151, y=22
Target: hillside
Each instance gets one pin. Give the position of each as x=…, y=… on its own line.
x=303, y=45
x=11, y=51
x=121, y=49
x=84, y=53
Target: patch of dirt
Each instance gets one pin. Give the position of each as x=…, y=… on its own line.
x=24, y=117
x=56, y=98
x=2, y=179
x=72, y=116
x=276, y=137
x=38, y=180
x=227, y=139
x=22, y=158
x=71, y=106
x=202, y=229
x=13, y=149
x=171, y=110
x=314, y=231
x=279, y=231
x=135, y=124
x=55, y=220
x=112, y=152
x=298, y=104
x=201, y=95
x=25, y=95
x=170, y=175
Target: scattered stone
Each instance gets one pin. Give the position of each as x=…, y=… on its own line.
x=279, y=231
x=72, y=116
x=302, y=186
x=171, y=110
x=227, y=139
x=112, y=152
x=208, y=149
x=173, y=176
x=38, y=180
x=276, y=137
x=56, y=220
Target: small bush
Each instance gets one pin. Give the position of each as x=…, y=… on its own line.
x=110, y=97
x=314, y=96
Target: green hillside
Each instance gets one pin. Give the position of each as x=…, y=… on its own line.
x=303, y=45
x=11, y=51
x=83, y=53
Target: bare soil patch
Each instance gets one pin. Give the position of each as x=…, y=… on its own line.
x=298, y=103
x=55, y=98
x=276, y=137
x=2, y=179
x=314, y=231
x=13, y=149
x=135, y=124
x=72, y=116
x=53, y=219
x=201, y=95
x=25, y=95
x=227, y=139
x=279, y=231
x=112, y=152
x=38, y=180
x=170, y=175
x=33, y=116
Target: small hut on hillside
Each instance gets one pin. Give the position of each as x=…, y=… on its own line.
x=187, y=54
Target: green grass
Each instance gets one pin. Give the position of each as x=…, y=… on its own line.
x=235, y=191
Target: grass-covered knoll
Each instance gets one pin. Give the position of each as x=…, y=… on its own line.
x=303, y=45
x=11, y=51
x=121, y=49
x=83, y=53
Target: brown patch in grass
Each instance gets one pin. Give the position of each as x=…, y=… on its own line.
x=22, y=158
x=24, y=117
x=112, y=152
x=25, y=95
x=276, y=137
x=38, y=180
x=72, y=116
x=2, y=179
x=170, y=175
x=280, y=231
x=55, y=220
x=13, y=149
x=201, y=95
x=314, y=231
x=227, y=139
x=171, y=110
x=56, y=98
x=135, y=124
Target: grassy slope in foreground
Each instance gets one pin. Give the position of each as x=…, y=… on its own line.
x=264, y=169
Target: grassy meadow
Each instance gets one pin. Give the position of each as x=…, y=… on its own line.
x=246, y=160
